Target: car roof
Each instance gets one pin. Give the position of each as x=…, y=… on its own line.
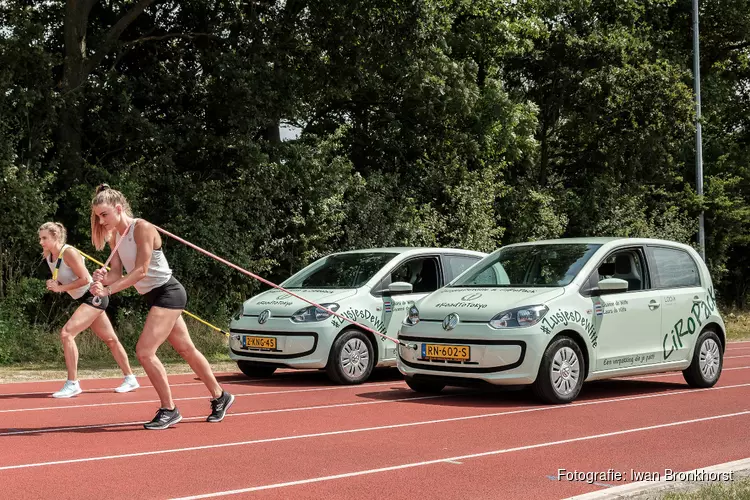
x=600, y=240
x=412, y=250
x=604, y=240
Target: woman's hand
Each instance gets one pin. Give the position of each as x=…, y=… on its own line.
x=98, y=290
x=100, y=274
x=53, y=286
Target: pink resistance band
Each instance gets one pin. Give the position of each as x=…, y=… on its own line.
x=223, y=261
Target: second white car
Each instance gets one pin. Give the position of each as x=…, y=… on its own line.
x=373, y=287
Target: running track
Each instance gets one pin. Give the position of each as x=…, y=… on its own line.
x=298, y=436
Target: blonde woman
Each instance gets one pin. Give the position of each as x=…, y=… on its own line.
x=69, y=274
x=140, y=253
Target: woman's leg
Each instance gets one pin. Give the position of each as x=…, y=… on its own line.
x=81, y=319
x=103, y=329
x=159, y=324
x=180, y=339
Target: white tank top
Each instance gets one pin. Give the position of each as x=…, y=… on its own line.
x=158, y=271
x=66, y=276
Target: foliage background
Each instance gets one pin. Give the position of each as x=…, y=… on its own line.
x=418, y=122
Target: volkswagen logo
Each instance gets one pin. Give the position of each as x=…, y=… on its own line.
x=263, y=316
x=450, y=321
x=473, y=296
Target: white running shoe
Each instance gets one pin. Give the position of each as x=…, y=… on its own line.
x=129, y=384
x=69, y=390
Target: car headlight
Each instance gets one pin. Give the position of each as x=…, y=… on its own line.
x=519, y=317
x=312, y=313
x=239, y=312
x=412, y=318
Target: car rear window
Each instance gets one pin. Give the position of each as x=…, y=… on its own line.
x=456, y=264
x=675, y=268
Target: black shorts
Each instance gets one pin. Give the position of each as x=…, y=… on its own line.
x=88, y=299
x=171, y=295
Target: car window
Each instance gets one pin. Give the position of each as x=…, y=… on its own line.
x=423, y=273
x=493, y=275
x=675, y=268
x=626, y=265
x=538, y=265
x=340, y=271
x=456, y=264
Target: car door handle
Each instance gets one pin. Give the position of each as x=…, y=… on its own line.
x=653, y=305
x=697, y=300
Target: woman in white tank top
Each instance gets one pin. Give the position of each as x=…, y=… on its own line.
x=69, y=274
x=140, y=253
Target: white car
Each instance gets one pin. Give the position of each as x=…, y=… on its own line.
x=553, y=314
x=372, y=287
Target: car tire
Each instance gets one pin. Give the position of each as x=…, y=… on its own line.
x=424, y=386
x=708, y=360
x=254, y=370
x=351, y=359
x=561, y=372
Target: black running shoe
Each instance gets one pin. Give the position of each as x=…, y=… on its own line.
x=219, y=407
x=163, y=419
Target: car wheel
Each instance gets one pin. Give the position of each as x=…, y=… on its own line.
x=255, y=370
x=424, y=386
x=561, y=373
x=351, y=359
x=708, y=360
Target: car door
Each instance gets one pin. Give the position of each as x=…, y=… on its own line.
x=425, y=273
x=677, y=278
x=628, y=322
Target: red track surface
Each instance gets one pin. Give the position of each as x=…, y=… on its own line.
x=297, y=436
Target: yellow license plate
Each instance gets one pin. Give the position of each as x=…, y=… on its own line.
x=450, y=352
x=259, y=343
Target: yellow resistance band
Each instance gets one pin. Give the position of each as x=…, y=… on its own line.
x=59, y=261
x=186, y=312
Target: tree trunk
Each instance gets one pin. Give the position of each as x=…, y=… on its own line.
x=272, y=133
x=77, y=65
x=74, y=75
x=544, y=161
x=2, y=273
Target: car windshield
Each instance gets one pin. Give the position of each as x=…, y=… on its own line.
x=351, y=270
x=543, y=265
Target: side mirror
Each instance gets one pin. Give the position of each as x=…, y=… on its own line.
x=398, y=288
x=610, y=285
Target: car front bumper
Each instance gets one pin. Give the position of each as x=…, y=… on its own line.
x=498, y=357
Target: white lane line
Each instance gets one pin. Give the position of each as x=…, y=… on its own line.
x=87, y=391
x=241, y=414
x=673, y=374
x=192, y=375
x=463, y=457
x=304, y=408
x=243, y=381
x=290, y=391
x=368, y=429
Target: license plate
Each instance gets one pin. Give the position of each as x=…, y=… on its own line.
x=449, y=352
x=259, y=343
